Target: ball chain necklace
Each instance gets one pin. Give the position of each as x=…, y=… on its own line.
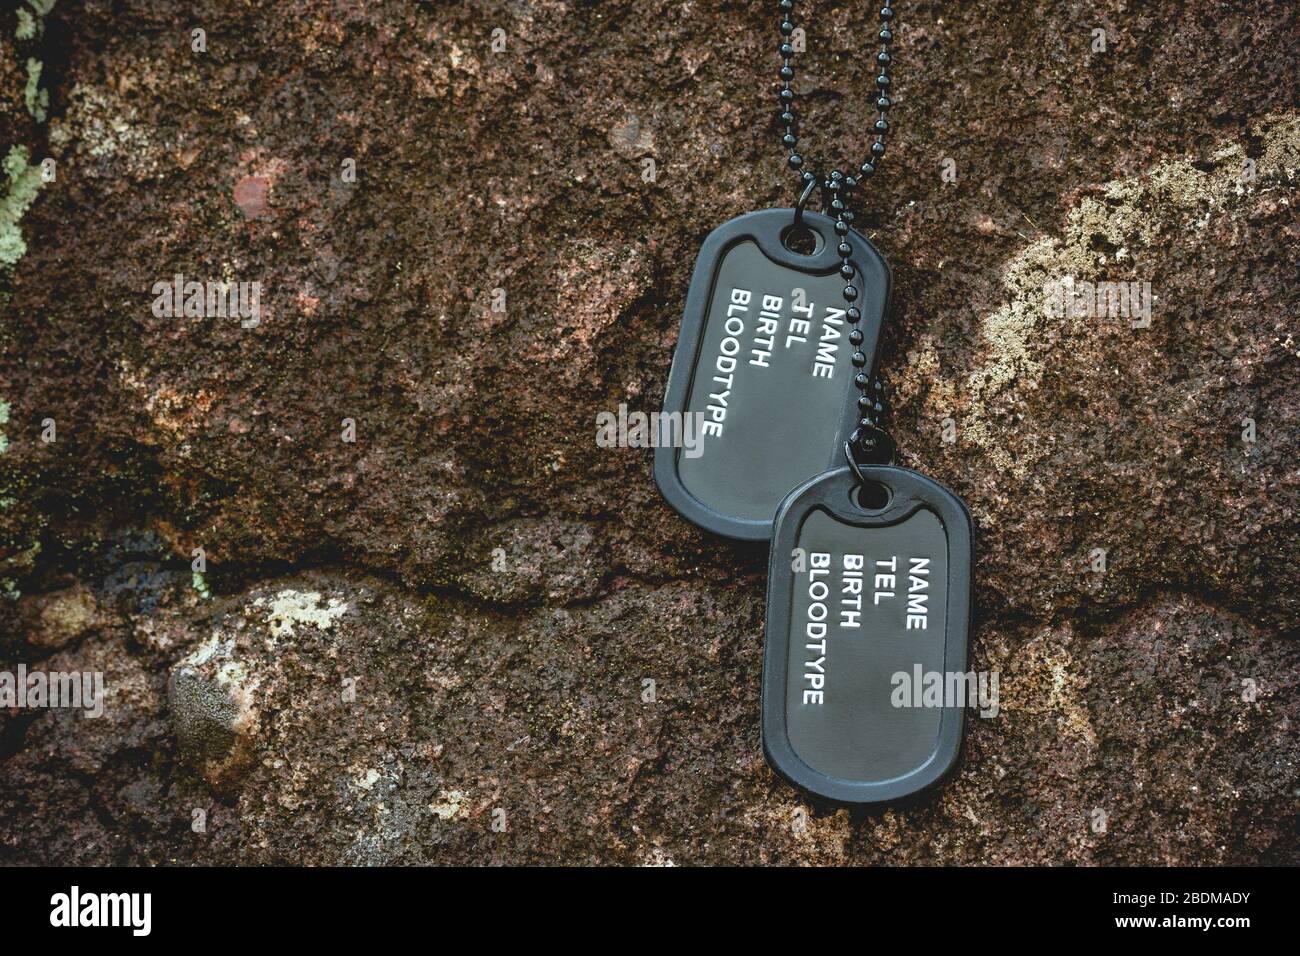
x=869, y=574
x=868, y=441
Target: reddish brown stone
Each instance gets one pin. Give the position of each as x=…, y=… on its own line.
x=509, y=586
x=251, y=195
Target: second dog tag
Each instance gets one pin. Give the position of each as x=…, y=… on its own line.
x=763, y=367
x=868, y=607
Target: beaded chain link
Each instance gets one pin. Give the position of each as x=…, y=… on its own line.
x=868, y=441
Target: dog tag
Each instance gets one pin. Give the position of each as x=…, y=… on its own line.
x=868, y=610
x=763, y=366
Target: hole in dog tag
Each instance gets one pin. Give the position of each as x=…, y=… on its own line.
x=763, y=363
x=864, y=670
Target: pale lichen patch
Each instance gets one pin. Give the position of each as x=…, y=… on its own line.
x=1136, y=216
x=107, y=129
x=451, y=805
x=179, y=414
x=656, y=856
x=290, y=608
x=214, y=646
x=1042, y=680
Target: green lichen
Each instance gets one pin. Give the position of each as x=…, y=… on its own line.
x=200, y=584
x=40, y=9
x=31, y=22
x=37, y=99
x=4, y=439
x=24, y=183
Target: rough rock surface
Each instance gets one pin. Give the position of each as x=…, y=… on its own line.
x=433, y=643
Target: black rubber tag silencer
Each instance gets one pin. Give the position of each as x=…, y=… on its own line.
x=860, y=750
x=784, y=425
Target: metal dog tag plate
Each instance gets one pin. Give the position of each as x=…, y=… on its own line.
x=863, y=607
x=763, y=363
